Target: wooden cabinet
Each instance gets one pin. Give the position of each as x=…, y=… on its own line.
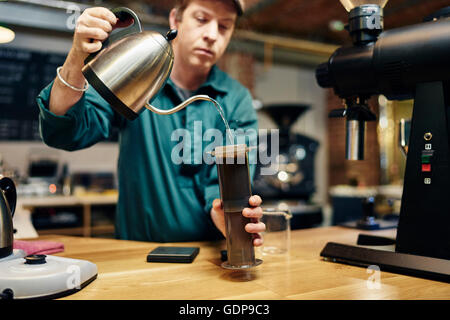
x=85, y=206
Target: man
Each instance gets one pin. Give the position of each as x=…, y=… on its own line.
x=159, y=200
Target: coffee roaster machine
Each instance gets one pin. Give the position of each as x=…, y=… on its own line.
x=290, y=183
x=403, y=63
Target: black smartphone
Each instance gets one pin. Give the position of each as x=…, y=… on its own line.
x=173, y=254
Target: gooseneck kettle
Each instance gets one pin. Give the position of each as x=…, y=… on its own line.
x=132, y=66
x=8, y=198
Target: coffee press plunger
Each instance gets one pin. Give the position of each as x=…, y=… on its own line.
x=131, y=68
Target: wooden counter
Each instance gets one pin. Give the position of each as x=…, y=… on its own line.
x=123, y=272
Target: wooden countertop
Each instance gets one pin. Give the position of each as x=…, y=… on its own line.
x=123, y=272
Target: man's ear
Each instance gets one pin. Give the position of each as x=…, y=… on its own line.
x=173, y=19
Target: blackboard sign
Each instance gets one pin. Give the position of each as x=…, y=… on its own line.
x=23, y=74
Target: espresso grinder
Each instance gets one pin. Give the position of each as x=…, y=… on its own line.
x=34, y=276
x=403, y=63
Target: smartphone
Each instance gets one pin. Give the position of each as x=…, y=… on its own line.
x=173, y=254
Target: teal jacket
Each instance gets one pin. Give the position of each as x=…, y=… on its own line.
x=159, y=199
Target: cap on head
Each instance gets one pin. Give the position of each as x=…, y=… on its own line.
x=180, y=6
x=240, y=6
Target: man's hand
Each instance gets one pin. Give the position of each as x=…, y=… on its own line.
x=93, y=27
x=254, y=213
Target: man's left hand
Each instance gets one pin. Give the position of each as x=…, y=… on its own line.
x=254, y=213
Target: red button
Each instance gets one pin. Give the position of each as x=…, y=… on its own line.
x=426, y=167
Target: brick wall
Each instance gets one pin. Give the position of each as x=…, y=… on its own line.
x=342, y=171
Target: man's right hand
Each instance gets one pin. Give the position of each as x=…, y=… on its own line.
x=92, y=27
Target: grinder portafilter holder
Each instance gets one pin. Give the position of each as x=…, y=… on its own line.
x=357, y=113
x=235, y=191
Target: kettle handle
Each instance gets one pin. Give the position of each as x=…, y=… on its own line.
x=122, y=14
x=9, y=190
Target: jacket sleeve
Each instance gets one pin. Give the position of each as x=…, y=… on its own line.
x=243, y=120
x=89, y=121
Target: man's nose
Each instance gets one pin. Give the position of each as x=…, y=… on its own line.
x=211, y=31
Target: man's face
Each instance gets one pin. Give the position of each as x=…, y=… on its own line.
x=204, y=32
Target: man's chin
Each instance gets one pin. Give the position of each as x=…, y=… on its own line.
x=202, y=66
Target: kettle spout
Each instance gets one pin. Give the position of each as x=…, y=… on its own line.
x=180, y=106
x=189, y=101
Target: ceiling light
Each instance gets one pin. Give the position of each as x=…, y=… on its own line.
x=6, y=35
x=283, y=176
x=336, y=25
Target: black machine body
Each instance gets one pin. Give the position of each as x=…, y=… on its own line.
x=392, y=65
x=404, y=63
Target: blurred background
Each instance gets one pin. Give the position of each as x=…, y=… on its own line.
x=274, y=52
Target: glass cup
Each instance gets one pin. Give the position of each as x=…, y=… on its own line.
x=235, y=191
x=277, y=236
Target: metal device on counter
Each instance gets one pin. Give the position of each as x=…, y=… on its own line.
x=407, y=62
x=131, y=68
x=8, y=198
x=292, y=185
x=356, y=207
x=34, y=276
x=42, y=177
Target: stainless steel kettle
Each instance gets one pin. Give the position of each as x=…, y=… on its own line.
x=8, y=198
x=131, y=68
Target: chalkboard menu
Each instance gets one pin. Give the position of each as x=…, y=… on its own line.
x=23, y=74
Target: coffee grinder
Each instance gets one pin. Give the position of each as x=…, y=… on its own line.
x=402, y=63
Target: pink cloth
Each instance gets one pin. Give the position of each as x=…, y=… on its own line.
x=38, y=246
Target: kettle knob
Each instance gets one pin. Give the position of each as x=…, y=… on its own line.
x=171, y=34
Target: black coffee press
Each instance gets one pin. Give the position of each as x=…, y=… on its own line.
x=235, y=192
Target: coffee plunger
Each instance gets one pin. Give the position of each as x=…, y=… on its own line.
x=131, y=68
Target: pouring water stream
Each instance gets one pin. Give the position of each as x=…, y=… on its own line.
x=189, y=101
